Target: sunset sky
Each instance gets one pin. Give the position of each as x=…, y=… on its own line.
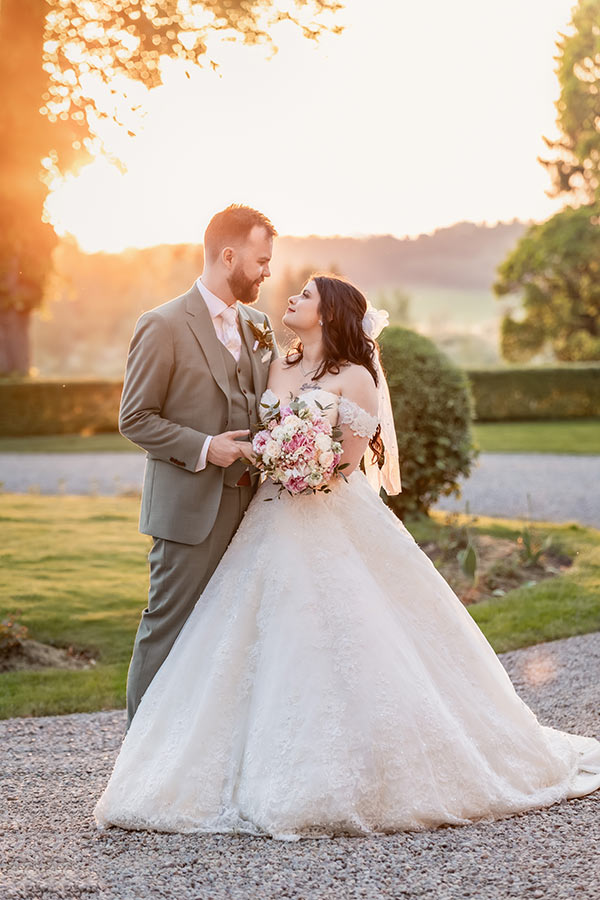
x=417, y=116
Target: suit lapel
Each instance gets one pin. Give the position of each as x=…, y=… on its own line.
x=200, y=322
x=259, y=369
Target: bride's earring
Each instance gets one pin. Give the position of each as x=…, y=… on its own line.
x=320, y=321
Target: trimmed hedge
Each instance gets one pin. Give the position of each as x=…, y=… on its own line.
x=29, y=407
x=565, y=392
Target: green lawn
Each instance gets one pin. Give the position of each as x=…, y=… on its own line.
x=74, y=571
x=574, y=436
x=564, y=436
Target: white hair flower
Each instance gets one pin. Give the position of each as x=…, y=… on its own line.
x=374, y=321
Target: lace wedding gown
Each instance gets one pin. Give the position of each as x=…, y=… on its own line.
x=330, y=681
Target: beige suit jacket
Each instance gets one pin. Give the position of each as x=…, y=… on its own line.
x=175, y=394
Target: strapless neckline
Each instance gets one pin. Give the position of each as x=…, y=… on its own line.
x=342, y=411
x=272, y=396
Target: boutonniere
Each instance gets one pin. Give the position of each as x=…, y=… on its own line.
x=263, y=339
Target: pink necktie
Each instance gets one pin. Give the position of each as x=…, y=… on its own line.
x=231, y=335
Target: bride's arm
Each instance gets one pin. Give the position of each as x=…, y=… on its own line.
x=357, y=415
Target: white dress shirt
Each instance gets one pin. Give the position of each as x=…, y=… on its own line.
x=215, y=307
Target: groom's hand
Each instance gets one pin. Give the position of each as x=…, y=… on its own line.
x=224, y=449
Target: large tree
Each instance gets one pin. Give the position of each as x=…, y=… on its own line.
x=555, y=267
x=53, y=56
x=575, y=165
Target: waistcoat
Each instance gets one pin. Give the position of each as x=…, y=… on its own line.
x=243, y=402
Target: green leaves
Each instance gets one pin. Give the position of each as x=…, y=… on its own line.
x=467, y=559
x=555, y=267
x=575, y=167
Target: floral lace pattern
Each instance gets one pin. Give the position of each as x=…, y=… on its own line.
x=359, y=420
x=339, y=409
x=329, y=681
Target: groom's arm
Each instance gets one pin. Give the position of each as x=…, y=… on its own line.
x=150, y=364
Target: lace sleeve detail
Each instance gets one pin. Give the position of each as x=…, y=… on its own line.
x=362, y=423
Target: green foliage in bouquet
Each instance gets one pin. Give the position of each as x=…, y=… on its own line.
x=433, y=409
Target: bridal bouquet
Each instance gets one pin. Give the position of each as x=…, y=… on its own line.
x=297, y=447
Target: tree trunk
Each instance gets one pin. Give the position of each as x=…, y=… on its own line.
x=14, y=342
x=26, y=241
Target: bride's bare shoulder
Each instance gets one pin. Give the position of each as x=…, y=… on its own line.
x=357, y=384
x=277, y=373
x=278, y=364
x=356, y=378
x=281, y=363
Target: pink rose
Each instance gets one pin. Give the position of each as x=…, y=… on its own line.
x=297, y=442
x=296, y=484
x=260, y=441
x=323, y=426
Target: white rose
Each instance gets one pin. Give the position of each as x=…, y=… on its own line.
x=272, y=449
x=292, y=422
x=323, y=442
x=277, y=434
x=325, y=459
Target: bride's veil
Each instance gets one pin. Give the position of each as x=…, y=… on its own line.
x=388, y=476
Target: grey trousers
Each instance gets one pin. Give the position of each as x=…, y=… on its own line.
x=178, y=575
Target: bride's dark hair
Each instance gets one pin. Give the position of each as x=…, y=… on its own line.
x=341, y=309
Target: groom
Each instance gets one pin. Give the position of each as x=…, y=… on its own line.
x=196, y=369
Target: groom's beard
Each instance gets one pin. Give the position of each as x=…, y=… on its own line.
x=242, y=288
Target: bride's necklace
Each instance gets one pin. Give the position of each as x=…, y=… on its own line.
x=310, y=371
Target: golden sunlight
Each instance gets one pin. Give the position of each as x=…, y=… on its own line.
x=394, y=126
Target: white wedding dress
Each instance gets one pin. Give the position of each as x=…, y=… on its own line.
x=329, y=681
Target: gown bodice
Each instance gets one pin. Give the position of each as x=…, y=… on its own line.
x=338, y=409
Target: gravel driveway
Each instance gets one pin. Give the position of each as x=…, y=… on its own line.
x=54, y=769
x=562, y=488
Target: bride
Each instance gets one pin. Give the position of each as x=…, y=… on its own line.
x=330, y=681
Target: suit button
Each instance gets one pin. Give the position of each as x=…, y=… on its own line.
x=226, y=423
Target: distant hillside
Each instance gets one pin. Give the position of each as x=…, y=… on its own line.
x=93, y=300
x=461, y=256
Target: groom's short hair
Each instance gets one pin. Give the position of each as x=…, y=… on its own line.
x=232, y=226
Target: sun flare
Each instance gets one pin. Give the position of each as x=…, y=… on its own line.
x=390, y=127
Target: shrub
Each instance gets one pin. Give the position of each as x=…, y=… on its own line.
x=58, y=407
x=563, y=392
x=12, y=634
x=432, y=411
